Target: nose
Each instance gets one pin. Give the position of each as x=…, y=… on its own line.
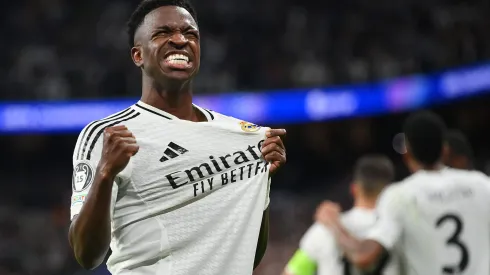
x=178, y=40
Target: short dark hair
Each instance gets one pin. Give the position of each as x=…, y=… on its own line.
x=147, y=6
x=373, y=173
x=459, y=144
x=425, y=132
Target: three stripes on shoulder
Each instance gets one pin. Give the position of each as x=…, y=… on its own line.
x=95, y=130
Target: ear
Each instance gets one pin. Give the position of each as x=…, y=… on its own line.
x=137, y=56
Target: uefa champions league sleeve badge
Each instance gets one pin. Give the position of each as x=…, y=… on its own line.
x=83, y=176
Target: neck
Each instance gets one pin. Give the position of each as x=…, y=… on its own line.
x=363, y=202
x=175, y=99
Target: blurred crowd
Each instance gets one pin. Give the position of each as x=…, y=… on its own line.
x=56, y=49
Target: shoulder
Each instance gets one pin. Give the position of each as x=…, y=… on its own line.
x=393, y=197
x=219, y=116
x=394, y=189
x=476, y=175
x=317, y=240
x=469, y=178
x=223, y=119
x=120, y=117
x=89, y=139
x=246, y=126
x=348, y=217
x=356, y=221
x=317, y=233
x=480, y=180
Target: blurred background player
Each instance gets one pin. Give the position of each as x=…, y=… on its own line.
x=318, y=251
x=458, y=153
x=439, y=217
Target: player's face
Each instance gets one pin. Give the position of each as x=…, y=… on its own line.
x=167, y=44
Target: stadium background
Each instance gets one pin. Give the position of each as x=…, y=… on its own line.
x=326, y=50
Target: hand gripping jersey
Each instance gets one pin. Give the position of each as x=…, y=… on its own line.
x=440, y=221
x=190, y=202
x=319, y=253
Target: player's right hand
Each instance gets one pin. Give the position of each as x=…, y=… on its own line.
x=328, y=213
x=118, y=148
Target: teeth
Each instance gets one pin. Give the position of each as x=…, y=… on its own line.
x=177, y=59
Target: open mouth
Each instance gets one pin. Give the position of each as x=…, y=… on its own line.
x=178, y=61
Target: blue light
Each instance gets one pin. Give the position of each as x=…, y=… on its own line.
x=268, y=107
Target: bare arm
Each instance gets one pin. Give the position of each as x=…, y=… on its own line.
x=372, y=252
x=362, y=253
x=90, y=231
x=274, y=152
x=316, y=243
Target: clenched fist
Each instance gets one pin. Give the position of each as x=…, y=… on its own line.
x=273, y=149
x=328, y=213
x=119, y=146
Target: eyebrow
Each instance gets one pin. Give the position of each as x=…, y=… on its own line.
x=190, y=27
x=169, y=27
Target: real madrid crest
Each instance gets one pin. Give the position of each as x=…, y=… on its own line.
x=249, y=127
x=83, y=176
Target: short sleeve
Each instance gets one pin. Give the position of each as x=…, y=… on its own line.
x=318, y=242
x=86, y=157
x=317, y=251
x=387, y=229
x=301, y=264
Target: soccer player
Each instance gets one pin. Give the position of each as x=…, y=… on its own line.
x=170, y=187
x=458, y=153
x=438, y=217
x=318, y=252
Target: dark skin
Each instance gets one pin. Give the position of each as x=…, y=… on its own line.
x=168, y=30
x=455, y=161
x=361, y=253
x=365, y=254
x=274, y=152
x=164, y=31
x=90, y=231
x=458, y=162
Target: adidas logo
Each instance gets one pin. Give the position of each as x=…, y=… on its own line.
x=173, y=151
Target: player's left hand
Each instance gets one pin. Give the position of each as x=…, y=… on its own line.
x=328, y=213
x=273, y=149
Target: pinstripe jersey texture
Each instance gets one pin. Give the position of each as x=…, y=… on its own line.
x=190, y=202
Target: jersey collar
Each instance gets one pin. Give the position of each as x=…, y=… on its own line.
x=140, y=104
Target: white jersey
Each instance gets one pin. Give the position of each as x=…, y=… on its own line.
x=440, y=221
x=320, y=245
x=190, y=202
